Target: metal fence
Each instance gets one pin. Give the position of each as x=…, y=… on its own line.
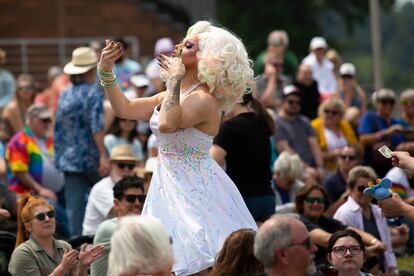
x=36, y=55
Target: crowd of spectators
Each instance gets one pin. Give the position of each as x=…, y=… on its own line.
x=301, y=147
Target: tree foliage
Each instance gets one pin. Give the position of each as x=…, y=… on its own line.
x=253, y=20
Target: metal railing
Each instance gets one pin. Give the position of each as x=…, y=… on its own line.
x=35, y=55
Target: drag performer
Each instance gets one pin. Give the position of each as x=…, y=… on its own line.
x=189, y=192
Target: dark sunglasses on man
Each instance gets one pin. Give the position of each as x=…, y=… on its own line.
x=122, y=166
x=133, y=198
x=347, y=157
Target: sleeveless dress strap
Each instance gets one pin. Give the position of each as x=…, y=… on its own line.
x=190, y=89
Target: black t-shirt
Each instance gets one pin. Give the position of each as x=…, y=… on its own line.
x=310, y=100
x=330, y=225
x=248, y=154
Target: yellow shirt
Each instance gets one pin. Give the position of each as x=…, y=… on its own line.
x=344, y=127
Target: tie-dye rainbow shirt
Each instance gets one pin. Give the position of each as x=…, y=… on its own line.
x=23, y=155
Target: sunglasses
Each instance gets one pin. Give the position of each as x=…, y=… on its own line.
x=133, y=198
x=347, y=157
x=347, y=76
x=361, y=188
x=277, y=65
x=340, y=251
x=42, y=216
x=122, y=166
x=320, y=200
x=126, y=120
x=407, y=102
x=46, y=120
x=331, y=112
x=293, y=102
x=25, y=88
x=386, y=101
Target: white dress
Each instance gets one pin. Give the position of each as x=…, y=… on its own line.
x=195, y=199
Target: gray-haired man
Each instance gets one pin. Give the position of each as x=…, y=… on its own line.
x=284, y=247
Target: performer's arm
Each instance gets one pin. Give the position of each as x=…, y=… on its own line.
x=136, y=109
x=196, y=108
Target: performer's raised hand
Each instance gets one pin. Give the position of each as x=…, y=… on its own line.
x=173, y=66
x=110, y=53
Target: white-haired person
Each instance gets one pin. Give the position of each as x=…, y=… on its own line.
x=140, y=246
x=287, y=181
x=195, y=199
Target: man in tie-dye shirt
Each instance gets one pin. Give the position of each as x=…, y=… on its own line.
x=27, y=151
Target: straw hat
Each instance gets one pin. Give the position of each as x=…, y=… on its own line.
x=83, y=60
x=122, y=152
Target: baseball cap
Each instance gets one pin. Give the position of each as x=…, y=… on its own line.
x=318, y=42
x=291, y=89
x=39, y=111
x=383, y=94
x=347, y=69
x=139, y=80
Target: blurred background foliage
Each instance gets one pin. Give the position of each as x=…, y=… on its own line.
x=345, y=24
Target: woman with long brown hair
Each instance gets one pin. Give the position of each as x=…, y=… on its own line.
x=236, y=256
x=37, y=252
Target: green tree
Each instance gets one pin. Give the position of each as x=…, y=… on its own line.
x=253, y=20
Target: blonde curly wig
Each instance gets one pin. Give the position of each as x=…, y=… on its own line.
x=223, y=63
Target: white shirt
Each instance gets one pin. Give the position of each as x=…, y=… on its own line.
x=100, y=202
x=322, y=73
x=334, y=139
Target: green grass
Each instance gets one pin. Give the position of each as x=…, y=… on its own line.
x=406, y=263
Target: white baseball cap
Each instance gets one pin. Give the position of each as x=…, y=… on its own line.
x=347, y=69
x=318, y=42
x=140, y=80
x=291, y=89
